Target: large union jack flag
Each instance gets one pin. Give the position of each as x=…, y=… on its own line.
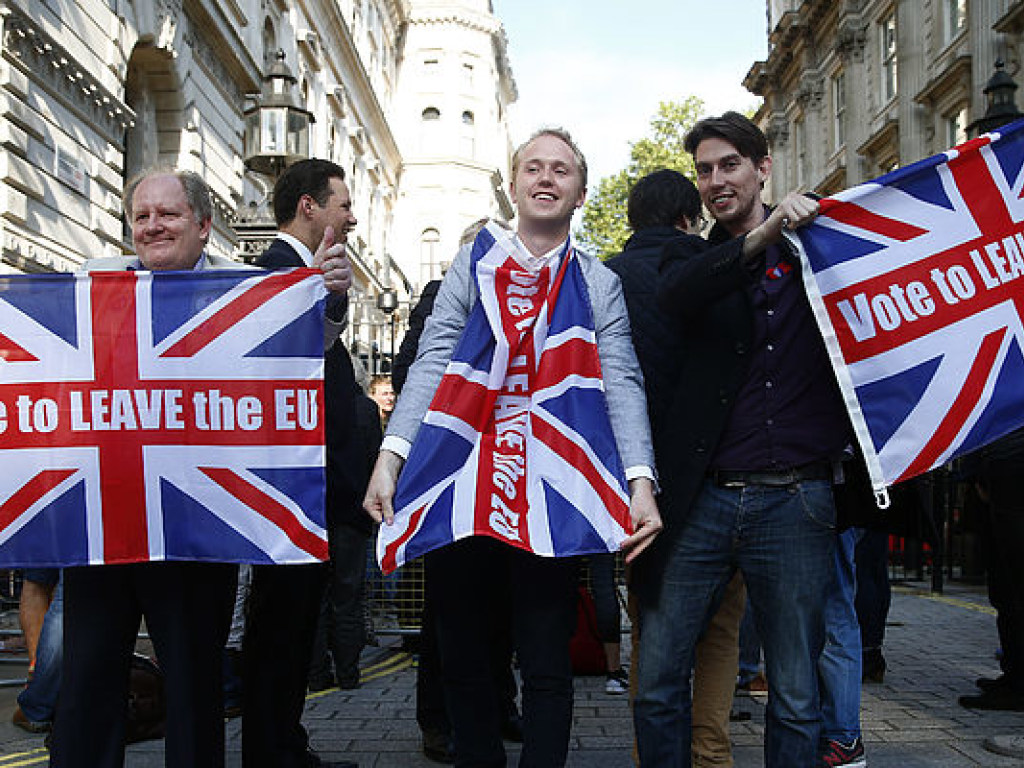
x=917, y=281
x=161, y=416
x=517, y=444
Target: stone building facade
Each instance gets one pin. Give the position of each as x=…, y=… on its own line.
x=93, y=90
x=854, y=88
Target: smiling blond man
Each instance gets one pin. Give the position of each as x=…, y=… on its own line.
x=478, y=577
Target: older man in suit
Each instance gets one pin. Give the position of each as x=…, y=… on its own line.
x=312, y=207
x=186, y=605
x=549, y=184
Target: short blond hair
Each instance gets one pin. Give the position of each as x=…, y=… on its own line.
x=558, y=133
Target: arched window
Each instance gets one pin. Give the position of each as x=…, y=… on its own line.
x=467, y=138
x=430, y=136
x=430, y=256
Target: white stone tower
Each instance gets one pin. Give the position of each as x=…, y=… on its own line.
x=450, y=118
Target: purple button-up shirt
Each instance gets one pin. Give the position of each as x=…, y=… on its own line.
x=789, y=411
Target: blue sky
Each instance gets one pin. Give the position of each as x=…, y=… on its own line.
x=600, y=67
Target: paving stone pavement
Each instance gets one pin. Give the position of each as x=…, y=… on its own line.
x=936, y=645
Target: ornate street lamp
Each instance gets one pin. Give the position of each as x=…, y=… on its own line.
x=1002, y=108
x=276, y=128
x=387, y=302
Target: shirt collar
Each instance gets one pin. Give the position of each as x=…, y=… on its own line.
x=536, y=263
x=300, y=247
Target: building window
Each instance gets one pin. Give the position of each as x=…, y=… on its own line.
x=430, y=257
x=467, y=77
x=956, y=128
x=839, y=109
x=954, y=18
x=888, y=30
x=468, y=136
x=799, y=152
x=431, y=113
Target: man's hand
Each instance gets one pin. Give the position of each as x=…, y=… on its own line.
x=794, y=211
x=643, y=509
x=381, y=490
x=330, y=258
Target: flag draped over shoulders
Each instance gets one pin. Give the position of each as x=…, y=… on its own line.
x=516, y=443
x=917, y=283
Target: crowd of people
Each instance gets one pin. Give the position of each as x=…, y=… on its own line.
x=746, y=498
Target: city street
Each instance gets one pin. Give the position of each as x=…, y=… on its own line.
x=936, y=645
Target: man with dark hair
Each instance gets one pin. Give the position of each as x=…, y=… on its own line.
x=752, y=466
x=664, y=207
x=312, y=206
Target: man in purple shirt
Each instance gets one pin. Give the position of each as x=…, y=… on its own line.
x=760, y=427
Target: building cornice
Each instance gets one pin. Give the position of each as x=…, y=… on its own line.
x=887, y=136
x=956, y=74
x=1011, y=22
x=42, y=58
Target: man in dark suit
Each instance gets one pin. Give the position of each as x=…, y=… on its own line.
x=312, y=208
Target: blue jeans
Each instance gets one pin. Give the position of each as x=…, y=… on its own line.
x=750, y=647
x=39, y=699
x=782, y=540
x=839, y=667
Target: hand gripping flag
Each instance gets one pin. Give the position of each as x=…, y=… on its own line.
x=517, y=443
x=917, y=283
x=161, y=416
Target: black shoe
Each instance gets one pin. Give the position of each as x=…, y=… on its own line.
x=1001, y=699
x=437, y=746
x=319, y=683
x=512, y=727
x=873, y=667
x=313, y=760
x=349, y=683
x=992, y=683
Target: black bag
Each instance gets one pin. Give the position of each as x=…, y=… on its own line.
x=147, y=708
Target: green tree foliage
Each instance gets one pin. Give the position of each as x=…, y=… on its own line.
x=604, y=228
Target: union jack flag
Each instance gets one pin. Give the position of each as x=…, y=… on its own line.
x=917, y=282
x=517, y=444
x=161, y=416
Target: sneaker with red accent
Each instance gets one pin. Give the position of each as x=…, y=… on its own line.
x=839, y=755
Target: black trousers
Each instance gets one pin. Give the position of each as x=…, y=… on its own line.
x=1005, y=563
x=282, y=614
x=341, y=629
x=477, y=580
x=431, y=711
x=187, y=608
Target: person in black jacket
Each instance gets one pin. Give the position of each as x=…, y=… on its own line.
x=311, y=206
x=664, y=207
x=747, y=478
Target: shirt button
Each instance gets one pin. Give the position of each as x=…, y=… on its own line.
x=768, y=385
x=771, y=347
x=771, y=313
x=769, y=422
